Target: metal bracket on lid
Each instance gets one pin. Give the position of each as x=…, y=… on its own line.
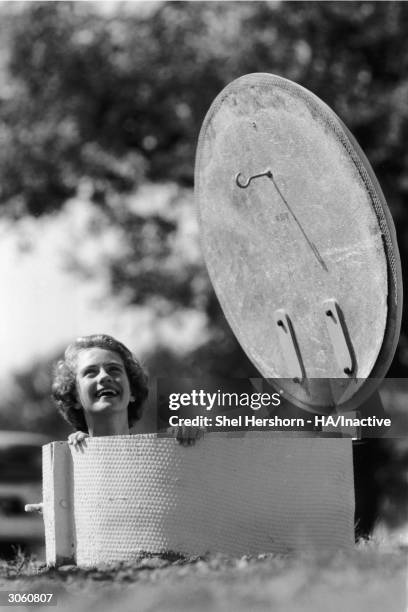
x=289, y=345
x=339, y=336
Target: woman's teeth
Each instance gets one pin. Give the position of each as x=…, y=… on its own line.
x=107, y=393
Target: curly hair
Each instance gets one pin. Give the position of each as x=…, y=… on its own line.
x=64, y=391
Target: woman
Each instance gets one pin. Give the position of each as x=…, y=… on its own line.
x=100, y=389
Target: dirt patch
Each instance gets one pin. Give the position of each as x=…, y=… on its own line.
x=370, y=577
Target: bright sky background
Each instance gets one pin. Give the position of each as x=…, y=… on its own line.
x=44, y=307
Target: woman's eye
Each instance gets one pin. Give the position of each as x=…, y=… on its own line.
x=115, y=369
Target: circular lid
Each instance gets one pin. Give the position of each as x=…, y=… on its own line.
x=298, y=241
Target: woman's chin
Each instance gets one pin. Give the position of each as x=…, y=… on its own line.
x=108, y=404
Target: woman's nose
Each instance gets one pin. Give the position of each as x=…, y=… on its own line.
x=103, y=374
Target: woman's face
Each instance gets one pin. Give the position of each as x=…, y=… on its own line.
x=101, y=381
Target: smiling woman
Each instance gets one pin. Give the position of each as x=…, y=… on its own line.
x=103, y=391
x=99, y=387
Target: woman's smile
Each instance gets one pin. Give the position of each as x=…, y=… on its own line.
x=107, y=392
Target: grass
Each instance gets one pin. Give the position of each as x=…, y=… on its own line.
x=371, y=577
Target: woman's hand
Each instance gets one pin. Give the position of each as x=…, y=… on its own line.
x=187, y=436
x=77, y=438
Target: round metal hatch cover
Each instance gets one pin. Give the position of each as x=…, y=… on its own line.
x=298, y=241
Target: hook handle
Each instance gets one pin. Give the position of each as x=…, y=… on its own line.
x=245, y=183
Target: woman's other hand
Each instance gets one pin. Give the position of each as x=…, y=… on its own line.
x=77, y=438
x=187, y=436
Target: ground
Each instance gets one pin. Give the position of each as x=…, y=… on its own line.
x=372, y=577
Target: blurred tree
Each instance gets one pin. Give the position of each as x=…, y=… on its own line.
x=26, y=402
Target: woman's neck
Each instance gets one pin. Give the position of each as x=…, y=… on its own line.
x=108, y=425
